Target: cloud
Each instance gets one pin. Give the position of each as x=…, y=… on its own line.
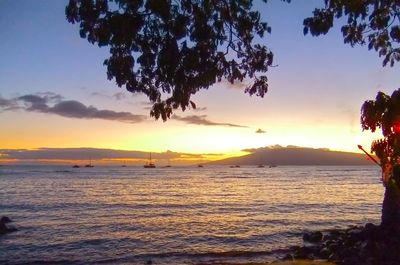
x=119, y=96
x=277, y=146
x=8, y=104
x=147, y=105
x=100, y=94
x=259, y=130
x=201, y=120
x=50, y=96
x=54, y=104
x=200, y=109
x=236, y=85
x=253, y=150
x=91, y=153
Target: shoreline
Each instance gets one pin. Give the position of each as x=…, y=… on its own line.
x=368, y=245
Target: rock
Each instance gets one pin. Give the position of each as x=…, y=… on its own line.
x=367, y=245
x=287, y=257
x=329, y=237
x=313, y=237
x=352, y=260
x=370, y=226
x=334, y=257
x=324, y=253
x=335, y=233
x=355, y=233
x=4, y=229
x=372, y=231
x=334, y=247
x=5, y=220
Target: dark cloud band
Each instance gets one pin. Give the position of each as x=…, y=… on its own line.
x=93, y=153
x=54, y=104
x=202, y=120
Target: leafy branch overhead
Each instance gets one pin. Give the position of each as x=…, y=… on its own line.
x=170, y=49
x=372, y=22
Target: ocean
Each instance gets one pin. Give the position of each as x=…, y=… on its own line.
x=177, y=215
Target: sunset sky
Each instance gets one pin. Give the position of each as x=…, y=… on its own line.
x=314, y=99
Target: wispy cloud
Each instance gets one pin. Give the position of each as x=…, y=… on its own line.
x=100, y=94
x=202, y=120
x=116, y=96
x=236, y=85
x=200, y=109
x=259, y=130
x=8, y=104
x=55, y=104
x=119, y=96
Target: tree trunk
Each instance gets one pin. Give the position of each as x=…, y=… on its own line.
x=391, y=208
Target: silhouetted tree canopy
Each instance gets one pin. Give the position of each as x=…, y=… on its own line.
x=384, y=113
x=372, y=22
x=170, y=49
x=376, y=23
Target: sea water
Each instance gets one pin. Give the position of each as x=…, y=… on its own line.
x=176, y=215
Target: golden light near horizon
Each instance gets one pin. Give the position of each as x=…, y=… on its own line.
x=221, y=141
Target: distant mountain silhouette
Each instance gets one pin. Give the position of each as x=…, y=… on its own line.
x=295, y=156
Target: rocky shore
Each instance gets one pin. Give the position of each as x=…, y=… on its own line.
x=367, y=245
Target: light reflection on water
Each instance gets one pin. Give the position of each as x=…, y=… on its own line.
x=179, y=215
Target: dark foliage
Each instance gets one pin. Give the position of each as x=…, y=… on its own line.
x=375, y=23
x=384, y=113
x=372, y=22
x=170, y=49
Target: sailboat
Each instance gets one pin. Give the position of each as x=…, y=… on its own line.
x=90, y=164
x=168, y=165
x=149, y=164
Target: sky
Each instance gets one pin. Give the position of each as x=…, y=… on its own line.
x=314, y=99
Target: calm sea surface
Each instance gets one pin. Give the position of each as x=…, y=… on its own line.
x=177, y=215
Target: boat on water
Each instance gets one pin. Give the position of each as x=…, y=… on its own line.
x=199, y=165
x=90, y=164
x=76, y=166
x=168, y=165
x=271, y=166
x=260, y=166
x=124, y=164
x=149, y=163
